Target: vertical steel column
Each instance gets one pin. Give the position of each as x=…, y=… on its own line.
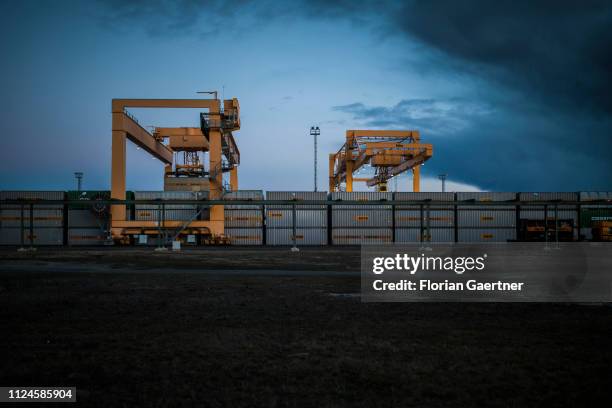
x=517, y=217
x=546, y=224
x=163, y=226
x=556, y=224
x=22, y=226
x=421, y=223
x=330, y=236
x=455, y=217
x=294, y=226
x=159, y=219
x=31, y=225
x=393, y=222
x=264, y=229
x=428, y=224
x=578, y=217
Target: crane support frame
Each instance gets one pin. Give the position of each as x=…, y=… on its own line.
x=217, y=140
x=390, y=152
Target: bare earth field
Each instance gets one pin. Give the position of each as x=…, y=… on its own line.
x=267, y=327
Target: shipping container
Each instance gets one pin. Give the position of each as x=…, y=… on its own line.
x=298, y=197
x=563, y=212
x=304, y=236
x=486, y=234
x=85, y=218
x=361, y=236
x=195, y=184
x=235, y=218
x=591, y=213
x=434, y=196
x=41, y=236
x=362, y=216
x=596, y=195
x=486, y=196
x=416, y=215
x=312, y=218
x=32, y=195
x=418, y=235
x=87, y=236
x=416, y=218
x=43, y=214
x=586, y=234
x=363, y=196
x=490, y=216
x=172, y=212
x=248, y=195
x=245, y=236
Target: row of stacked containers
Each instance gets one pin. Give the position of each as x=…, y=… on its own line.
x=256, y=224
x=244, y=224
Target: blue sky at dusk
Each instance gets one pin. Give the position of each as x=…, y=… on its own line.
x=513, y=98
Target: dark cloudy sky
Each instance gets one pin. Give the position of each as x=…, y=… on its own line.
x=514, y=96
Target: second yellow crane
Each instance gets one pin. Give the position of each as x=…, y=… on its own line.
x=389, y=152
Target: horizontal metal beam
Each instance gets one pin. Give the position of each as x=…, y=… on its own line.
x=119, y=105
x=141, y=137
x=383, y=133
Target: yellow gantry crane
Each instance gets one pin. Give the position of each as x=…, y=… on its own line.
x=389, y=152
x=214, y=136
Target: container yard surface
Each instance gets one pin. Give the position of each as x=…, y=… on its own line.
x=267, y=327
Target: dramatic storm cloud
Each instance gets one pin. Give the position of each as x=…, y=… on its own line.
x=514, y=96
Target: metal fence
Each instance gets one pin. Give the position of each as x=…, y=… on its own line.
x=307, y=218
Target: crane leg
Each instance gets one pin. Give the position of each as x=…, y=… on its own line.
x=234, y=178
x=349, y=175
x=332, y=179
x=216, y=183
x=416, y=179
x=118, y=177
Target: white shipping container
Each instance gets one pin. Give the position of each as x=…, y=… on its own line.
x=486, y=234
x=41, y=236
x=245, y=236
x=362, y=218
x=595, y=195
x=42, y=217
x=486, y=196
x=435, y=196
x=418, y=235
x=304, y=236
x=248, y=195
x=276, y=218
x=361, y=236
x=487, y=217
x=243, y=218
x=364, y=196
x=32, y=195
x=413, y=218
x=298, y=197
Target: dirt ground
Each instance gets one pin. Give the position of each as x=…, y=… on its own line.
x=270, y=328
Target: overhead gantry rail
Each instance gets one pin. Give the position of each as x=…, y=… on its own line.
x=389, y=152
x=214, y=136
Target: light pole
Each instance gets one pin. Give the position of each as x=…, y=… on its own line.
x=314, y=131
x=442, y=178
x=79, y=177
